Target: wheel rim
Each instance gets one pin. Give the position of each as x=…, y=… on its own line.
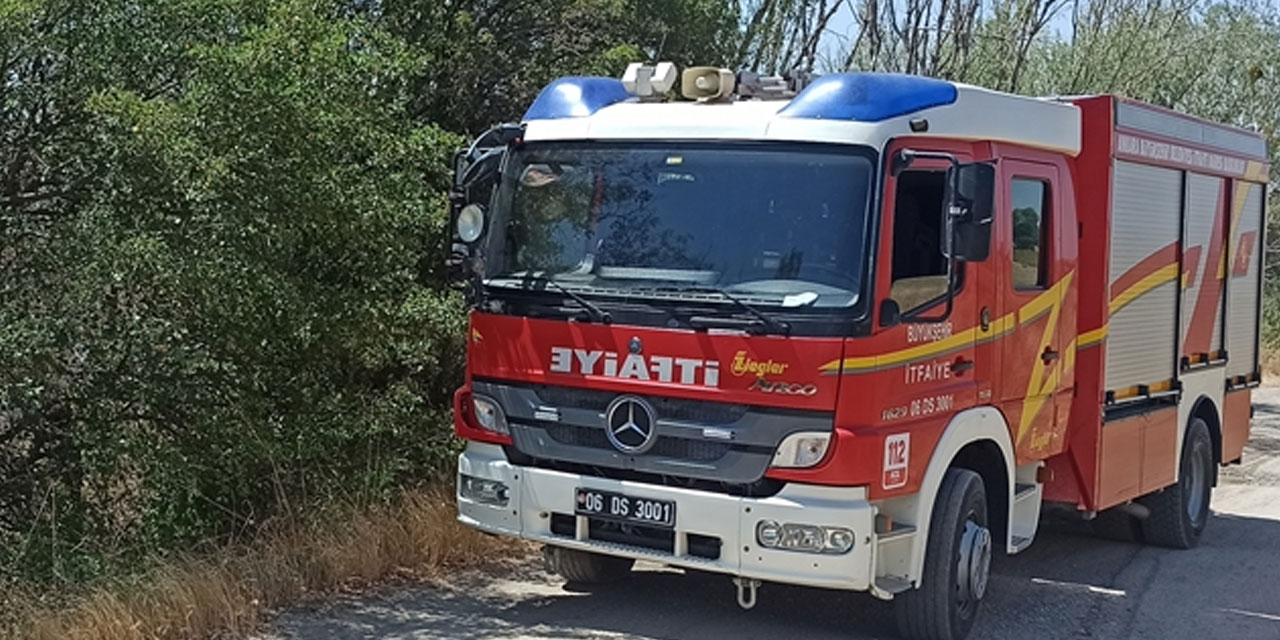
x=973, y=567
x=1196, y=484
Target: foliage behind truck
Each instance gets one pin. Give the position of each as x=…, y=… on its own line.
x=855, y=333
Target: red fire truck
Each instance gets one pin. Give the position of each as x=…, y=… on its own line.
x=854, y=333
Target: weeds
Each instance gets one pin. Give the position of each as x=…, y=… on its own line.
x=230, y=591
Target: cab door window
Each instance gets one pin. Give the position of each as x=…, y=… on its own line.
x=1030, y=200
x=919, y=268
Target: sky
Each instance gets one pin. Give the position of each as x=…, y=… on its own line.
x=840, y=30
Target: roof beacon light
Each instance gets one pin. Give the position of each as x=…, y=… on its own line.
x=754, y=85
x=645, y=81
x=707, y=84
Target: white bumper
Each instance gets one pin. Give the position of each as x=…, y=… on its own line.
x=535, y=494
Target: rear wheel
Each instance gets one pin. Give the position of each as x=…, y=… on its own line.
x=1180, y=512
x=583, y=567
x=957, y=563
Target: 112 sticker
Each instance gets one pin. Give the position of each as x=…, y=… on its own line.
x=897, y=457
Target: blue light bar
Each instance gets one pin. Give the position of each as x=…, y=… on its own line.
x=868, y=97
x=576, y=97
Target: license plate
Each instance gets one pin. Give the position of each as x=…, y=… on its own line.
x=606, y=504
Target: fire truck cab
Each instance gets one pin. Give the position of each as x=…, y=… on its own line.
x=855, y=333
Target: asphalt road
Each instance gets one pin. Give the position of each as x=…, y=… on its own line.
x=1068, y=585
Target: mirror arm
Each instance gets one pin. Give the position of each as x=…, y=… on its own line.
x=909, y=156
x=474, y=295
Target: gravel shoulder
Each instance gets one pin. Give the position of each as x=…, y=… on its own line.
x=1068, y=585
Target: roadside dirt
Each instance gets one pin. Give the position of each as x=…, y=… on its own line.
x=1070, y=584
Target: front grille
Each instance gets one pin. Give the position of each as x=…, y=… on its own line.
x=686, y=449
x=563, y=427
x=666, y=408
x=579, y=436
x=667, y=447
x=761, y=488
x=562, y=524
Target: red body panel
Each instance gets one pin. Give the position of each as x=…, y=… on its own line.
x=1075, y=471
x=1237, y=411
x=1107, y=464
x=1037, y=355
x=677, y=363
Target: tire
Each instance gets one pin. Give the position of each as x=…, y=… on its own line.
x=941, y=608
x=1180, y=512
x=583, y=567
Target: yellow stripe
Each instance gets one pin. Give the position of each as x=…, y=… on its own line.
x=1130, y=392
x=1254, y=172
x=960, y=340
x=999, y=327
x=1043, y=302
x=1044, y=376
x=1161, y=276
x=920, y=352
x=1090, y=338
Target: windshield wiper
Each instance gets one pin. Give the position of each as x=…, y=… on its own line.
x=594, y=312
x=761, y=321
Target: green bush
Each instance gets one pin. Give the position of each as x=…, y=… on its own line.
x=220, y=225
x=220, y=222
x=216, y=303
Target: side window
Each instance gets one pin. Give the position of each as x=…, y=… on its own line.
x=1030, y=200
x=919, y=269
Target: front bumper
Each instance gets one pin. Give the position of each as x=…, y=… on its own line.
x=537, y=496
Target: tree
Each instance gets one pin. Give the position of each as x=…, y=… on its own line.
x=213, y=225
x=488, y=59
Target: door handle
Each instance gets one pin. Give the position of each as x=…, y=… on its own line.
x=961, y=365
x=1049, y=355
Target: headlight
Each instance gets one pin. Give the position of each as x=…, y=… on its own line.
x=471, y=223
x=768, y=533
x=490, y=492
x=800, y=450
x=839, y=540
x=489, y=415
x=809, y=538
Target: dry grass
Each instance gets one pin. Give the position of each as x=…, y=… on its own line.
x=230, y=592
x=1270, y=366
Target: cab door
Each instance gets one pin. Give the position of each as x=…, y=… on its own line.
x=924, y=366
x=1036, y=315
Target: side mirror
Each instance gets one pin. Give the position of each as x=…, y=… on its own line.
x=460, y=163
x=890, y=313
x=976, y=190
x=970, y=211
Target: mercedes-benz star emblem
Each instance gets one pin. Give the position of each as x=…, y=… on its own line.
x=635, y=346
x=629, y=423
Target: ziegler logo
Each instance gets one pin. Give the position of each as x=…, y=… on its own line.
x=783, y=388
x=634, y=366
x=743, y=364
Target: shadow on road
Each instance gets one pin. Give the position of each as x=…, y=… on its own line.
x=1070, y=584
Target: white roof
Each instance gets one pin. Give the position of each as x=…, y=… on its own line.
x=977, y=114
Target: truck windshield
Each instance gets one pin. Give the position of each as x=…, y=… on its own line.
x=778, y=225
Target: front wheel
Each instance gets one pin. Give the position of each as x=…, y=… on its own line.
x=1180, y=512
x=583, y=567
x=957, y=563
